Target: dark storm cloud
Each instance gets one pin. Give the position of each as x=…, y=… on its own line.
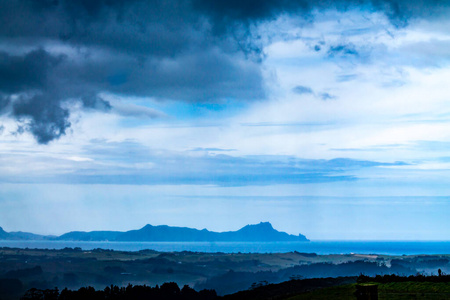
x=155, y=48
x=38, y=104
x=256, y=10
x=41, y=114
x=46, y=119
x=147, y=27
x=30, y=71
x=60, y=51
x=95, y=102
x=4, y=102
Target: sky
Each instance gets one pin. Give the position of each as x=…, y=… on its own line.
x=326, y=118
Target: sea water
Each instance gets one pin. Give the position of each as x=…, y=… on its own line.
x=318, y=247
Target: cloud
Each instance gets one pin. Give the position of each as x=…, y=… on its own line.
x=432, y=146
x=56, y=52
x=136, y=111
x=246, y=11
x=43, y=116
x=327, y=96
x=70, y=51
x=4, y=103
x=346, y=77
x=95, y=102
x=342, y=50
x=30, y=71
x=299, y=89
x=199, y=149
x=128, y=162
x=79, y=159
x=33, y=96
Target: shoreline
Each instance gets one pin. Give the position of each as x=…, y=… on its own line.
x=319, y=247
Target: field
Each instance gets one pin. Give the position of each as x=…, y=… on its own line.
x=227, y=273
x=394, y=291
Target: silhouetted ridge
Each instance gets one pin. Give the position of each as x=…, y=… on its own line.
x=167, y=291
x=90, y=236
x=262, y=232
x=260, y=226
x=251, y=233
x=165, y=233
x=3, y=234
x=19, y=235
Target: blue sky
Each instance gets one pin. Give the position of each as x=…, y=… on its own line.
x=326, y=120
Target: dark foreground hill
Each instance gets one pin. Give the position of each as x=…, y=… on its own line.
x=262, y=232
x=389, y=287
x=167, y=291
x=226, y=273
x=171, y=291
x=287, y=289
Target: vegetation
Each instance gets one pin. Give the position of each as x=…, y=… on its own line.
x=167, y=291
x=396, y=278
x=289, y=288
x=387, y=287
x=391, y=291
x=226, y=273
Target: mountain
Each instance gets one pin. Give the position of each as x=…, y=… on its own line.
x=4, y=235
x=164, y=233
x=262, y=232
x=90, y=236
x=19, y=235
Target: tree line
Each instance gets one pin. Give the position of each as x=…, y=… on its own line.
x=167, y=291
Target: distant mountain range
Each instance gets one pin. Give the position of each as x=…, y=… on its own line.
x=262, y=232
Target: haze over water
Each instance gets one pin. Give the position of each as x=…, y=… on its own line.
x=318, y=247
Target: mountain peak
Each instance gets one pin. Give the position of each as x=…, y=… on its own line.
x=265, y=225
x=260, y=226
x=3, y=233
x=264, y=231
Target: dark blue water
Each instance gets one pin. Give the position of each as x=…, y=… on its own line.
x=319, y=247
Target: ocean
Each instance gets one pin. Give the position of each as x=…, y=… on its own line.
x=318, y=247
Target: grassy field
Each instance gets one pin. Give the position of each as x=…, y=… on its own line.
x=391, y=291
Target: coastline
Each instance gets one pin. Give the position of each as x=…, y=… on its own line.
x=318, y=247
